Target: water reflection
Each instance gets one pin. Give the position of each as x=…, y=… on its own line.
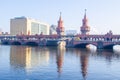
x=33, y=58
x=109, y=55
x=40, y=56
x=28, y=57
x=85, y=54
x=82, y=55
x=20, y=56
x=84, y=62
x=60, y=58
x=57, y=56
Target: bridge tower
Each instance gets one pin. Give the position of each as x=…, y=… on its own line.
x=85, y=29
x=60, y=27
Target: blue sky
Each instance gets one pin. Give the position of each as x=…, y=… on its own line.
x=103, y=15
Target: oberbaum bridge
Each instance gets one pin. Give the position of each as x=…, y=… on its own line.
x=106, y=41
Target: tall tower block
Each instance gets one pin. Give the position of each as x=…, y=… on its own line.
x=60, y=29
x=85, y=29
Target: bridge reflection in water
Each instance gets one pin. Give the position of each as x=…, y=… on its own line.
x=54, y=58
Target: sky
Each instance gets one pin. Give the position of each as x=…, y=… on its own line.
x=103, y=15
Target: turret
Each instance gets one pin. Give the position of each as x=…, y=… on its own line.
x=85, y=29
x=60, y=28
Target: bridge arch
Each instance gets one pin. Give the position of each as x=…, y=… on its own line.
x=31, y=43
x=5, y=42
x=110, y=46
x=16, y=43
x=83, y=45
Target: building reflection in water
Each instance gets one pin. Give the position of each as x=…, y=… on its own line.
x=109, y=55
x=84, y=58
x=84, y=63
x=40, y=56
x=60, y=58
x=28, y=57
x=83, y=55
x=20, y=56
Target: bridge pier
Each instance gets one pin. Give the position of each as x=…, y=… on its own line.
x=22, y=43
x=69, y=44
x=42, y=43
x=100, y=45
x=5, y=42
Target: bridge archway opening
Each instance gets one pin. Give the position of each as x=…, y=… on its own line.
x=32, y=44
x=5, y=43
x=15, y=43
x=109, y=46
x=83, y=45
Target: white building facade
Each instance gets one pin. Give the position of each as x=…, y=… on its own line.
x=28, y=26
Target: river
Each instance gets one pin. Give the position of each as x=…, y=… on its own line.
x=58, y=63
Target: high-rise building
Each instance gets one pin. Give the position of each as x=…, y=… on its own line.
x=28, y=26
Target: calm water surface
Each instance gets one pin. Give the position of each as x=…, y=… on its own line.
x=43, y=63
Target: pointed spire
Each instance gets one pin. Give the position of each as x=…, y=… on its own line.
x=85, y=28
x=60, y=13
x=60, y=22
x=60, y=27
x=85, y=20
x=85, y=14
x=60, y=19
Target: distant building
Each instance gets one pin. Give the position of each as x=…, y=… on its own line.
x=4, y=33
x=53, y=29
x=27, y=26
x=71, y=32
